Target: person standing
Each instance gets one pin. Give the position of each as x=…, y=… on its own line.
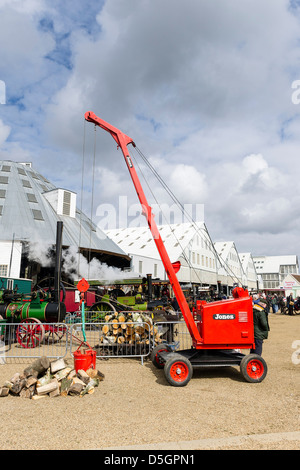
x=275, y=303
x=281, y=304
x=261, y=327
x=290, y=304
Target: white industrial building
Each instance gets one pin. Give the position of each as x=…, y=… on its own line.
x=252, y=279
x=203, y=263
x=274, y=269
x=231, y=270
x=30, y=207
x=184, y=242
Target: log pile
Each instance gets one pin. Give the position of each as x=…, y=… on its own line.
x=44, y=378
x=129, y=328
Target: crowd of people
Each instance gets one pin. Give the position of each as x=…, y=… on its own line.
x=277, y=303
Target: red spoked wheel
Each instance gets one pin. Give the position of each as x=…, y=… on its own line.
x=178, y=370
x=30, y=333
x=253, y=368
x=54, y=334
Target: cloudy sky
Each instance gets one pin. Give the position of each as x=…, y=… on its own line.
x=207, y=90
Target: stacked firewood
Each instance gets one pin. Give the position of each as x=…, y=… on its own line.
x=129, y=328
x=44, y=378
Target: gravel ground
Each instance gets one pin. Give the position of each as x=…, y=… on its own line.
x=135, y=408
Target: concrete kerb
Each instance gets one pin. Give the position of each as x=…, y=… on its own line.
x=217, y=443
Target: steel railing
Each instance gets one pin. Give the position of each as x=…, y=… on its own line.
x=33, y=340
x=109, y=339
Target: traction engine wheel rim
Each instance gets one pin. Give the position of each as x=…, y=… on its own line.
x=30, y=333
x=179, y=371
x=54, y=334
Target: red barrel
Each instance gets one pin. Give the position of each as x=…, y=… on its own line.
x=84, y=360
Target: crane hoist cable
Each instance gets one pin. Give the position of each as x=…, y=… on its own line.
x=223, y=263
x=92, y=201
x=183, y=254
x=92, y=198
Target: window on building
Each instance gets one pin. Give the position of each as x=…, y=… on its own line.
x=26, y=184
x=140, y=267
x=37, y=215
x=31, y=197
x=3, y=269
x=155, y=270
x=66, y=203
x=6, y=168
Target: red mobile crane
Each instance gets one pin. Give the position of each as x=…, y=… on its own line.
x=218, y=329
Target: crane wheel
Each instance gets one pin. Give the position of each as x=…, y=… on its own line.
x=178, y=370
x=155, y=359
x=253, y=368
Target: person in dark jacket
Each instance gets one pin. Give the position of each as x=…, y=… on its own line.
x=261, y=327
x=290, y=304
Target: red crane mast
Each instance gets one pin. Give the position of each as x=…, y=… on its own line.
x=123, y=141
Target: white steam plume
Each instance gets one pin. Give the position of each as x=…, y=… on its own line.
x=75, y=265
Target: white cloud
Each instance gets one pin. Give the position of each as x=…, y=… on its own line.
x=4, y=132
x=203, y=87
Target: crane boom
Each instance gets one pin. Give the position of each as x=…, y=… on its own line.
x=123, y=141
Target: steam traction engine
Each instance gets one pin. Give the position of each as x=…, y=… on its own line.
x=30, y=311
x=219, y=330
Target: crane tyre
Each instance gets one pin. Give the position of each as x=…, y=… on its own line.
x=178, y=370
x=253, y=368
x=155, y=359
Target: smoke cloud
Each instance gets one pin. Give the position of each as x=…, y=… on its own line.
x=74, y=264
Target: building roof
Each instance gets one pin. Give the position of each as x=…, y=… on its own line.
x=271, y=264
x=28, y=213
x=223, y=249
x=139, y=240
x=246, y=259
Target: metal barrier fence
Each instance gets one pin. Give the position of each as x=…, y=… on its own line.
x=114, y=339
x=175, y=332
x=111, y=339
x=33, y=340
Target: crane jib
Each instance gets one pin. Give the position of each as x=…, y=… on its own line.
x=122, y=141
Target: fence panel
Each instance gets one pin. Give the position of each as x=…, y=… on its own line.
x=113, y=339
x=175, y=332
x=33, y=340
